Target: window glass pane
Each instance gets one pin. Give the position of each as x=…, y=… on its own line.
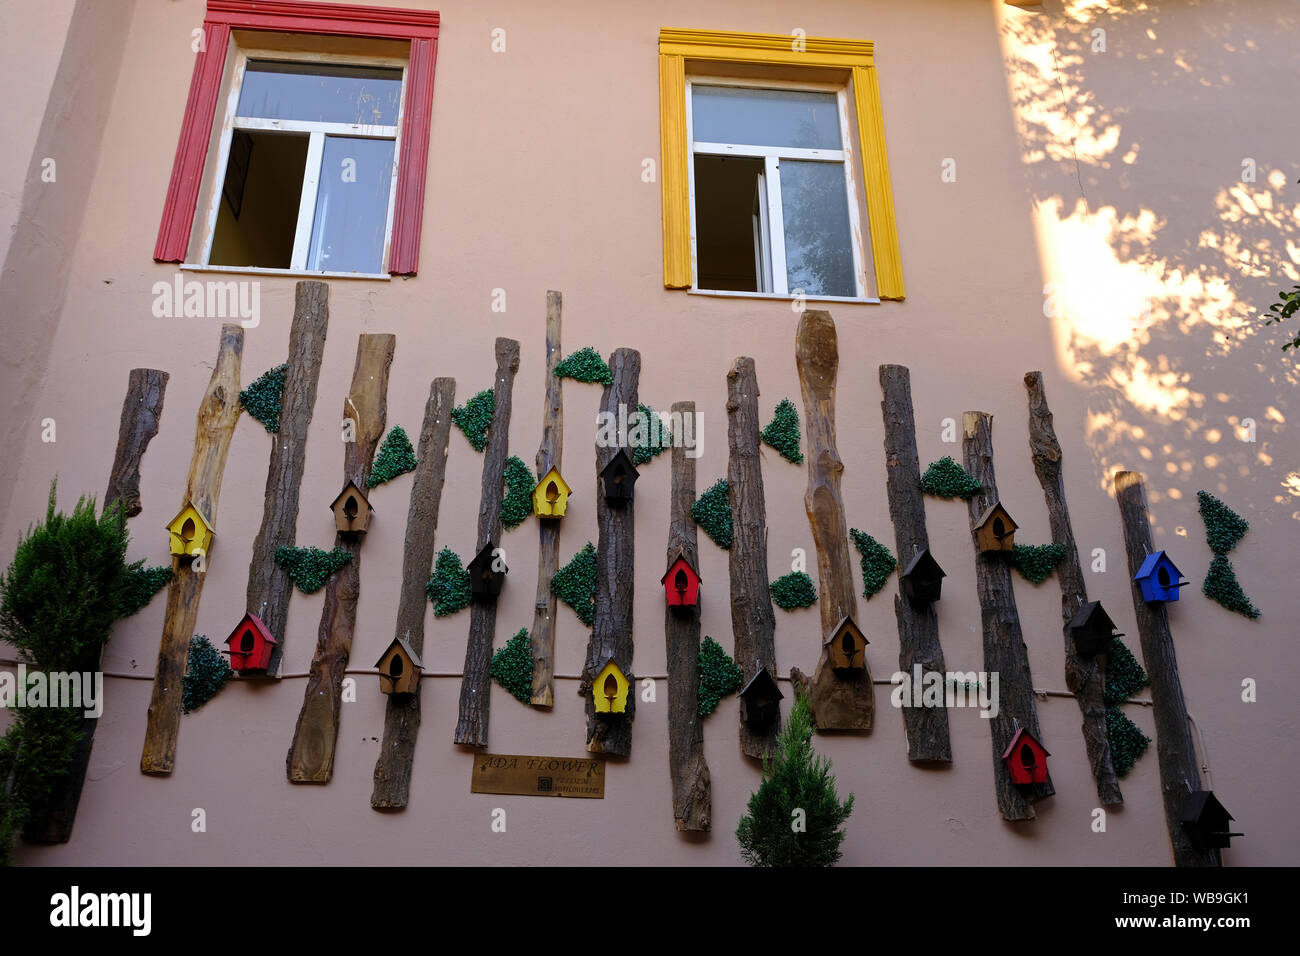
x=818, y=242
x=351, y=205
x=319, y=93
x=748, y=117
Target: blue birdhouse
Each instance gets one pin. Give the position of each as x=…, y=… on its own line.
x=1159, y=578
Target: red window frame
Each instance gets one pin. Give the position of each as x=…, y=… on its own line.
x=420, y=27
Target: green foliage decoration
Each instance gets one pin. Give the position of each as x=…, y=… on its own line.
x=36, y=755
x=793, y=590
x=1223, y=526
x=262, y=398
x=782, y=433
x=512, y=667
x=518, y=501
x=475, y=416
x=1221, y=585
x=140, y=587
x=448, y=587
x=1124, y=675
x=712, y=512
x=659, y=437
x=1286, y=305
x=1127, y=742
x=1036, y=562
x=795, y=777
x=585, y=365
x=310, y=568
x=206, y=674
x=719, y=676
x=396, y=457
x=877, y=562
x=575, y=584
x=947, y=479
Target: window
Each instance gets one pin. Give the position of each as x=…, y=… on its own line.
x=761, y=170
x=317, y=162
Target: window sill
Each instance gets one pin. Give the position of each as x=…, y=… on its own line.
x=784, y=298
x=299, y=273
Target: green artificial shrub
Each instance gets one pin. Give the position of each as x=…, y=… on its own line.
x=262, y=399
x=512, y=667
x=793, y=590
x=310, y=568
x=585, y=365
x=475, y=416
x=719, y=675
x=448, y=587
x=206, y=674
x=1037, y=561
x=575, y=584
x=395, y=457
x=782, y=433
x=877, y=562
x=947, y=479
x=518, y=501
x=712, y=512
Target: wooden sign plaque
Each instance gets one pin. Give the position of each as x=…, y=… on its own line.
x=538, y=776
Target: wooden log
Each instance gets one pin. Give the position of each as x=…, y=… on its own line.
x=218, y=413
x=611, y=631
x=141, y=410
x=311, y=754
x=1085, y=677
x=392, y=787
x=269, y=586
x=1175, y=750
x=838, y=703
x=692, y=789
x=1005, y=653
x=918, y=628
x=753, y=623
x=549, y=455
x=476, y=684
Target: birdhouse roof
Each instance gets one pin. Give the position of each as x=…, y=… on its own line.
x=485, y=554
x=255, y=622
x=360, y=494
x=407, y=650
x=626, y=459
x=924, y=564
x=1092, y=615
x=680, y=558
x=1027, y=736
x=176, y=522
x=1152, y=562
x=762, y=682
x=1202, y=806
x=605, y=664
x=554, y=475
x=846, y=622
x=993, y=510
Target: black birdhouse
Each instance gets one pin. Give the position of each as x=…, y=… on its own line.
x=1091, y=629
x=618, y=477
x=995, y=531
x=487, y=572
x=922, y=579
x=351, y=510
x=1206, y=821
x=847, y=647
x=759, y=700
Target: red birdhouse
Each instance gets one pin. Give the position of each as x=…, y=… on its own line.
x=250, y=645
x=681, y=583
x=1026, y=758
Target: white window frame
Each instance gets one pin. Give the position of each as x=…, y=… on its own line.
x=774, y=241
x=315, y=152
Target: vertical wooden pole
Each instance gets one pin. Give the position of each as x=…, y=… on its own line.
x=838, y=703
x=1175, y=751
x=269, y=586
x=918, y=628
x=692, y=789
x=311, y=755
x=1086, y=677
x=549, y=455
x=611, y=630
x=1005, y=653
x=476, y=684
x=392, y=789
x=753, y=623
x=218, y=413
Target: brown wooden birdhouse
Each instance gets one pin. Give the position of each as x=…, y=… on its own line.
x=609, y=689
x=760, y=700
x=922, y=579
x=487, y=572
x=617, y=478
x=1025, y=758
x=190, y=532
x=352, y=510
x=551, y=496
x=681, y=583
x=847, y=647
x=250, y=645
x=1206, y=821
x=995, y=531
x=399, y=668
x=1091, y=629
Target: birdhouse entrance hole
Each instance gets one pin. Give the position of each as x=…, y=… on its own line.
x=610, y=690
x=1163, y=577
x=1027, y=757
x=395, y=666
x=552, y=492
x=999, y=528
x=187, y=530
x=846, y=642
x=680, y=581
x=350, y=507
x=246, y=642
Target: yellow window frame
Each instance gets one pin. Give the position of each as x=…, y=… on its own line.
x=717, y=46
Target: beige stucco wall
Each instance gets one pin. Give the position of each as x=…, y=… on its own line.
x=535, y=184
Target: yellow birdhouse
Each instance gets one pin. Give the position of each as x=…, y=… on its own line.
x=995, y=530
x=551, y=496
x=609, y=689
x=190, y=532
